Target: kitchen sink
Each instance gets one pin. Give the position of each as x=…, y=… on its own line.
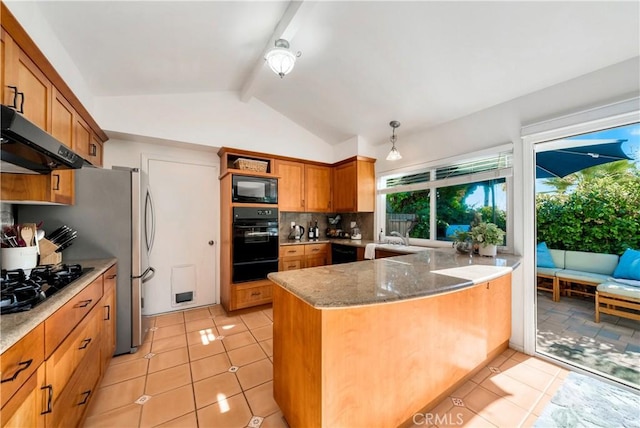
x=407, y=249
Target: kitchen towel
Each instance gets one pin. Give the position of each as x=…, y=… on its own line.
x=370, y=251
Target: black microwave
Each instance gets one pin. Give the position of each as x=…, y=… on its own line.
x=256, y=190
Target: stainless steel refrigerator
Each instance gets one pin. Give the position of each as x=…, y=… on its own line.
x=113, y=215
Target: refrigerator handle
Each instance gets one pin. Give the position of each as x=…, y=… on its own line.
x=144, y=277
x=149, y=210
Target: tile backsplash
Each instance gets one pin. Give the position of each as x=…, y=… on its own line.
x=363, y=220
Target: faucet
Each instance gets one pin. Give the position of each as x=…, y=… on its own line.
x=405, y=239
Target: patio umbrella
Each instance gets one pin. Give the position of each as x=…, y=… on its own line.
x=562, y=162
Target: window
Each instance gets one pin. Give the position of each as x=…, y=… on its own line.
x=433, y=203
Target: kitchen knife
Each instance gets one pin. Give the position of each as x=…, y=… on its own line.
x=66, y=242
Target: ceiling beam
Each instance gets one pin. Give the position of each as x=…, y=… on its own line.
x=291, y=20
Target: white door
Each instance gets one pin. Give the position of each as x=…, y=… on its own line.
x=184, y=252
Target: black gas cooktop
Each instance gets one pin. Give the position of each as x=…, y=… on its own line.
x=21, y=292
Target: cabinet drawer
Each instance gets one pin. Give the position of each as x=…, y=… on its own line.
x=290, y=264
x=58, y=325
x=251, y=296
x=110, y=278
x=291, y=250
x=315, y=249
x=73, y=401
x=25, y=408
x=20, y=361
x=64, y=361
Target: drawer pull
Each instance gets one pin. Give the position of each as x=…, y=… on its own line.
x=112, y=276
x=49, y=399
x=292, y=251
x=315, y=250
x=292, y=266
x=57, y=185
x=86, y=398
x=25, y=365
x=84, y=303
x=256, y=293
x=108, y=313
x=85, y=343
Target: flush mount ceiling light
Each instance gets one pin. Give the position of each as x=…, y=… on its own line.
x=280, y=58
x=394, y=154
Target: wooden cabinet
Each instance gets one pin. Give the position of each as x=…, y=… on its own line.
x=26, y=408
x=95, y=150
x=354, y=185
x=109, y=315
x=20, y=361
x=498, y=303
x=291, y=186
x=31, y=84
x=252, y=294
x=50, y=375
x=77, y=357
x=291, y=257
x=65, y=319
x=62, y=119
x=316, y=255
x=303, y=256
x=303, y=187
x=33, y=87
x=317, y=188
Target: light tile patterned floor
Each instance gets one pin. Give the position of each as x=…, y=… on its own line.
x=203, y=368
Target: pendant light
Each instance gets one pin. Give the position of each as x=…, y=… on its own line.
x=280, y=58
x=394, y=154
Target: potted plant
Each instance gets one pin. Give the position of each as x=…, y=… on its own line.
x=488, y=236
x=462, y=241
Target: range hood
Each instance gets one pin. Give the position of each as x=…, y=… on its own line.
x=27, y=149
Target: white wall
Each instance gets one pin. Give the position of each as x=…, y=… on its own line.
x=212, y=119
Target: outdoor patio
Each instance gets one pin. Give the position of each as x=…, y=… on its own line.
x=566, y=329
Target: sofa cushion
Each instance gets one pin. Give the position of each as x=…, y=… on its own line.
x=600, y=263
x=620, y=289
x=547, y=271
x=577, y=275
x=629, y=265
x=558, y=257
x=543, y=256
x=631, y=282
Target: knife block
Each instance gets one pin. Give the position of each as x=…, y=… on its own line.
x=48, y=255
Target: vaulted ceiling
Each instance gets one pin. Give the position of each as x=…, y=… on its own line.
x=363, y=63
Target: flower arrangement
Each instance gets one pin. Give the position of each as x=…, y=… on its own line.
x=487, y=234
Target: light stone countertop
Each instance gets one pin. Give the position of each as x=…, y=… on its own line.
x=430, y=272
x=15, y=326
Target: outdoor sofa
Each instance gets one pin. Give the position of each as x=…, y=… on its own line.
x=613, y=281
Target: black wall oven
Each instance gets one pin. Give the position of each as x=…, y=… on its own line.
x=255, y=243
x=255, y=190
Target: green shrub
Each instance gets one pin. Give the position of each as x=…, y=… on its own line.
x=602, y=215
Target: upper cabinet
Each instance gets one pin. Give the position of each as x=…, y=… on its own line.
x=317, y=188
x=31, y=85
x=354, y=185
x=291, y=186
x=303, y=187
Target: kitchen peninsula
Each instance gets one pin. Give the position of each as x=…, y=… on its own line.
x=371, y=343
